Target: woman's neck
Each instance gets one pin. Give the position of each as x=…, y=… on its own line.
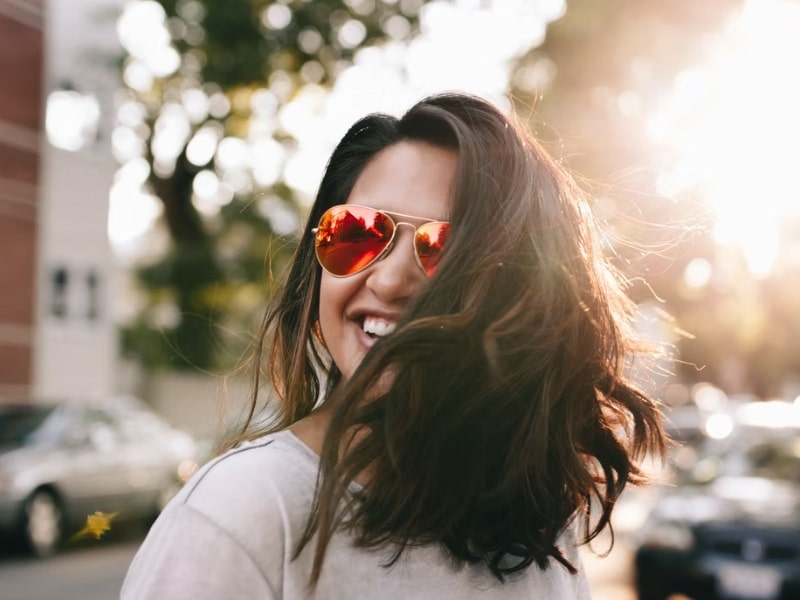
x=311, y=430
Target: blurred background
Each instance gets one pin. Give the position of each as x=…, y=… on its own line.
x=157, y=159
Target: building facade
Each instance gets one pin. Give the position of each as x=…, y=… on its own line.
x=57, y=332
x=21, y=82
x=75, y=344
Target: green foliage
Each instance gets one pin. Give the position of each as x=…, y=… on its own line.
x=204, y=295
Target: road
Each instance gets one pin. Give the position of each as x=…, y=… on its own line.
x=96, y=572
x=90, y=573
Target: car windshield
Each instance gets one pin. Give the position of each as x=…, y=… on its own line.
x=18, y=422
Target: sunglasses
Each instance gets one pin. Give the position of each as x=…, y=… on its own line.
x=350, y=237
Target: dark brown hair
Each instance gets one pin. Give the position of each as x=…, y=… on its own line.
x=509, y=414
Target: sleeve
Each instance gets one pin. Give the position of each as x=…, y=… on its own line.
x=188, y=556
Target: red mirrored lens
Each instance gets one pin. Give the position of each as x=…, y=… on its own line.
x=349, y=238
x=429, y=243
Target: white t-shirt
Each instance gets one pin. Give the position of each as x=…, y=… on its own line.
x=231, y=532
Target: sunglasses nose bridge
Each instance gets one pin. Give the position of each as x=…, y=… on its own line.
x=398, y=266
x=414, y=230
x=397, y=225
x=392, y=244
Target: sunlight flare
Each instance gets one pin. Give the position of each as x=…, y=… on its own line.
x=732, y=127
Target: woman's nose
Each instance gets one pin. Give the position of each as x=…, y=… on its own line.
x=397, y=275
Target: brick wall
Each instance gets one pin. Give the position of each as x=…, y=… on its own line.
x=21, y=77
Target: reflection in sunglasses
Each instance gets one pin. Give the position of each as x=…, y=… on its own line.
x=351, y=237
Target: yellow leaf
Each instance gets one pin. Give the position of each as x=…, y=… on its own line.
x=96, y=525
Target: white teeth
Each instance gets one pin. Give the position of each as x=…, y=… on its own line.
x=378, y=327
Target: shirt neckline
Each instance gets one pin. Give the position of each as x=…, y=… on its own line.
x=299, y=445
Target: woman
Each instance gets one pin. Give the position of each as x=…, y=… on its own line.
x=448, y=354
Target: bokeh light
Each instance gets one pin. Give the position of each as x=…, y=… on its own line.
x=462, y=44
x=71, y=119
x=732, y=124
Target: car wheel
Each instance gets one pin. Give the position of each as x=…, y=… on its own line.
x=43, y=523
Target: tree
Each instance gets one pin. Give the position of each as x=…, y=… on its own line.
x=206, y=81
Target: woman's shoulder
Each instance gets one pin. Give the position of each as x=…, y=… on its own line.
x=279, y=449
x=227, y=532
x=271, y=476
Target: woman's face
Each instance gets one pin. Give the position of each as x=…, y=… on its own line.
x=413, y=178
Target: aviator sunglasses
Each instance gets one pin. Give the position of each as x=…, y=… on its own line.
x=350, y=237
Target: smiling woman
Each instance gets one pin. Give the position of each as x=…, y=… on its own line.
x=406, y=177
x=452, y=415
x=732, y=125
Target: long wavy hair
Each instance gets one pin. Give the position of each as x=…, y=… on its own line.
x=509, y=414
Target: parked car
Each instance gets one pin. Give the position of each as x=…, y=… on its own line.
x=729, y=526
x=61, y=462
